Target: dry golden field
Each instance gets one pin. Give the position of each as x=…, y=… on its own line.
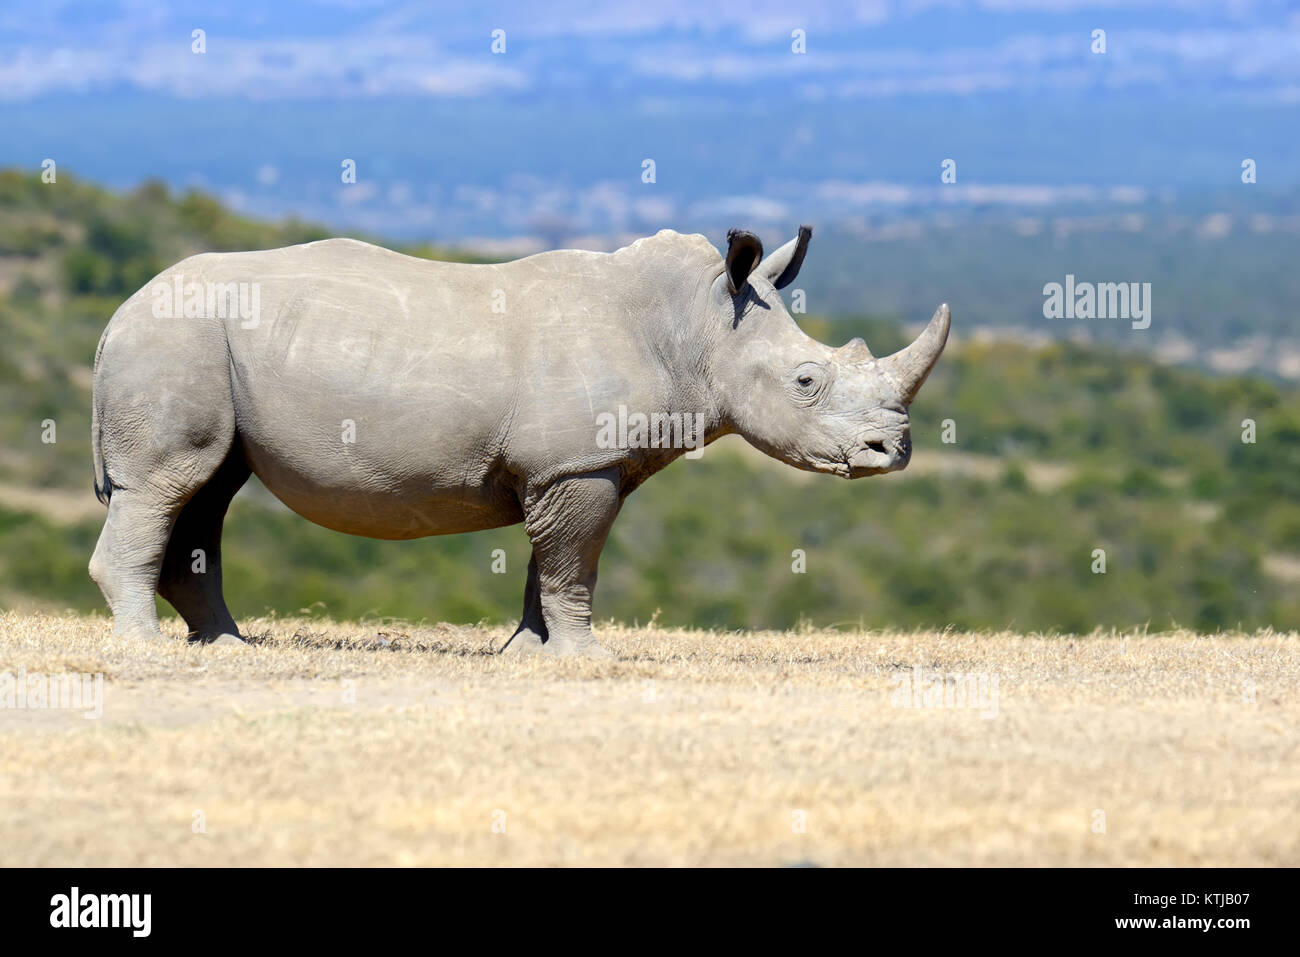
x=325, y=743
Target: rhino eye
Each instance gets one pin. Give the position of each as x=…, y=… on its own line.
x=807, y=380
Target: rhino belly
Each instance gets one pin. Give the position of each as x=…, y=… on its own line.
x=378, y=498
x=383, y=464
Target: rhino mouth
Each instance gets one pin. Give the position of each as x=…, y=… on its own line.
x=876, y=456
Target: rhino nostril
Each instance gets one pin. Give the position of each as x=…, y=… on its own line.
x=878, y=447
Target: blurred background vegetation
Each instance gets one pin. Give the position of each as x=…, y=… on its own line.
x=1060, y=449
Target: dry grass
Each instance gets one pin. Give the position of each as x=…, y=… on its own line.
x=318, y=745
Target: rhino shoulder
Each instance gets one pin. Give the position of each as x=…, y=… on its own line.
x=342, y=244
x=672, y=243
x=343, y=248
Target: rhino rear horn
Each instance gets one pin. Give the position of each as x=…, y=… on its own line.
x=855, y=350
x=910, y=366
x=744, y=252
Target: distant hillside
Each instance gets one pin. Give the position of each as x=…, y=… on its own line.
x=1058, y=451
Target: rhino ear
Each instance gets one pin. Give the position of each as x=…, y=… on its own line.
x=744, y=252
x=782, y=266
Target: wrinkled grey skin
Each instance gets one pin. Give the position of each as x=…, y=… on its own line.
x=465, y=417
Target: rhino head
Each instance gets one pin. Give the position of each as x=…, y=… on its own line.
x=841, y=411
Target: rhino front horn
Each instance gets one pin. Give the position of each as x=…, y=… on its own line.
x=909, y=367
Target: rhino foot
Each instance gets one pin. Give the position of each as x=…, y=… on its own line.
x=531, y=643
x=223, y=640
x=133, y=633
x=523, y=642
x=576, y=649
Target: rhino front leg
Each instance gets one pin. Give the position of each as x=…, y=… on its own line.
x=568, y=523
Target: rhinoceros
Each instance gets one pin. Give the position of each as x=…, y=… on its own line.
x=393, y=397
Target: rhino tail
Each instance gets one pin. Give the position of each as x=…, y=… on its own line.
x=103, y=485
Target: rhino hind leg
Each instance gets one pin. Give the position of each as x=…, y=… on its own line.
x=165, y=426
x=135, y=558
x=530, y=636
x=126, y=559
x=568, y=523
x=190, y=578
